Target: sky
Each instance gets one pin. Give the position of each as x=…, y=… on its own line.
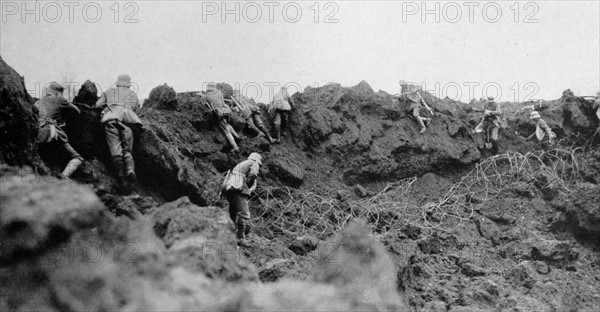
x=513, y=50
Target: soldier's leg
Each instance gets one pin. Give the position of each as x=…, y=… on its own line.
x=277, y=126
x=232, y=206
x=114, y=146
x=75, y=160
x=261, y=126
x=417, y=116
x=494, y=138
x=226, y=130
x=250, y=124
x=494, y=133
x=284, y=122
x=126, y=136
x=243, y=216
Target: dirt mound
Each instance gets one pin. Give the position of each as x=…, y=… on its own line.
x=18, y=120
x=580, y=211
x=461, y=232
x=371, y=138
x=79, y=257
x=162, y=98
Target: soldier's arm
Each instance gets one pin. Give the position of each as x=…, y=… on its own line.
x=66, y=104
x=133, y=101
x=101, y=101
x=252, y=173
x=545, y=127
x=497, y=111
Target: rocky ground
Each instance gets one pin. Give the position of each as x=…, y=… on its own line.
x=354, y=211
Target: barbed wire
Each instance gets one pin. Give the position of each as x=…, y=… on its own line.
x=293, y=212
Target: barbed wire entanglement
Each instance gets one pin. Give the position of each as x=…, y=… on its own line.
x=293, y=212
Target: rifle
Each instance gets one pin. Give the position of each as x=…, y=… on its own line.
x=425, y=103
x=532, y=107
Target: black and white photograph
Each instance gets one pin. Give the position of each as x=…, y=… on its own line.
x=296, y=156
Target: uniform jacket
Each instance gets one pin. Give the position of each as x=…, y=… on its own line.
x=241, y=174
x=215, y=99
x=116, y=100
x=50, y=109
x=541, y=129
x=280, y=101
x=50, y=118
x=247, y=106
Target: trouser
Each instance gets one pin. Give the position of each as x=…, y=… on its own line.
x=490, y=128
x=227, y=130
x=60, y=147
x=239, y=211
x=256, y=124
x=119, y=138
x=415, y=113
x=64, y=148
x=120, y=144
x=280, y=121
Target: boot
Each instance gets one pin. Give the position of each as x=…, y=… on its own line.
x=494, y=148
x=71, y=167
x=420, y=121
x=271, y=140
x=235, y=135
x=241, y=231
x=231, y=140
x=427, y=121
x=119, y=168
x=129, y=167
x=277, y=135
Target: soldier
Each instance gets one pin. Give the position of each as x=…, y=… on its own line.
x=414, y=107
x=251, y=113
x=541, y=128
x=118, y=103
x=215, y=100
x=239, y=184
x=280, y=109
x=490, y=122
x=51, y=133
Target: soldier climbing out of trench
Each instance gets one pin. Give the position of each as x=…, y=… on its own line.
x=251, y=113
x=247, y=108
x=118, y=115
x=414, y=103
x=490, y=123
x=239, y=183
x=51, y=134
x=541, y=128
x=280, y=109
x=216, y=102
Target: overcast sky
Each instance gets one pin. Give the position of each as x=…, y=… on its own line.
x=530, y=49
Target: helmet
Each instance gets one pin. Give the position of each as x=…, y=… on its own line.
x=490, y=98
x=534, y=114
x=123, y=81
x=55, y=87
x=256, y=157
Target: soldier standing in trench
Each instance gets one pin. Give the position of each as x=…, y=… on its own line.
x=239, y=183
